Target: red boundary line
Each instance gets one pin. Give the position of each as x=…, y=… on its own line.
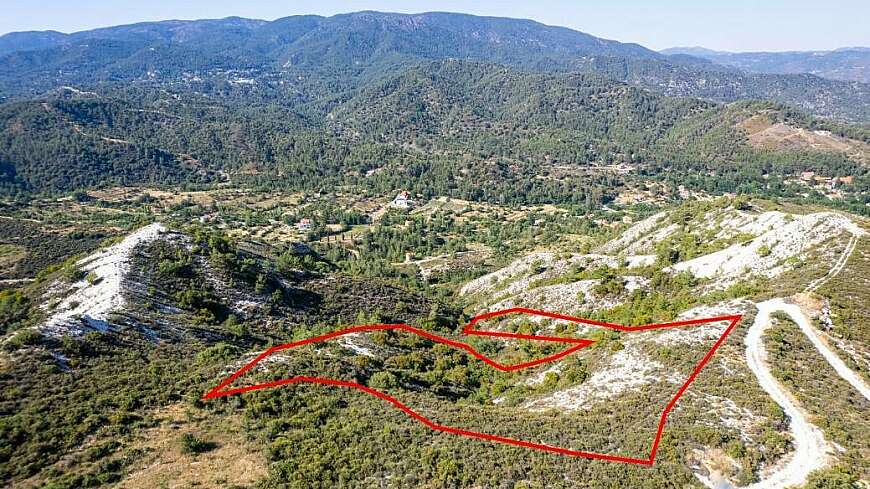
x=469, y=329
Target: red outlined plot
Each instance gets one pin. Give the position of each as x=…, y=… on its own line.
x=572, y=345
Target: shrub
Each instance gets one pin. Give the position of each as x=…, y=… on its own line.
x=190, y=444
x=93, y=278
x=220, y=351
x=81, y=196
x=14, y=309
x=610, y=285
x=383, y=380
x=741, y=203
x=24, y=338
x=73, y=273
x=834, y=478
x=237, y=329
x=174, y=268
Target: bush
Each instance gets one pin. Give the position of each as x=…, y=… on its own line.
x=81, y=196
x=232, y=325
x=834, y=478
x=14, y=310
x=93, y=278
x=205, y=306
x=220, y=351
x=383, y=380
x=73, y=273
x=24, y=338
x=741, y=203
x=190, y=444
x=610, y=285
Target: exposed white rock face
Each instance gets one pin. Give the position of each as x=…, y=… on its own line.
x=355, y=342
x=93, y=301
x=635, y=261
x=626, y=369
x=572, y=297
x=766, y=254
x=754, y=224
x=518, y=267
x=634, y=234
x=518, y=277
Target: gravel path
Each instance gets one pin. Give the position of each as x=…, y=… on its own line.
x=811, y=448
x=841, y=263
x=812, y=451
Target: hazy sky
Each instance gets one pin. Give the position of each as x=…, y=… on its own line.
x=735, y=25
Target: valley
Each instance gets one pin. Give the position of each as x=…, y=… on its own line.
x=434, y=250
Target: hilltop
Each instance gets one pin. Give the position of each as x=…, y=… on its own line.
x=256, y=51
x=849, y=64
x=200, y=304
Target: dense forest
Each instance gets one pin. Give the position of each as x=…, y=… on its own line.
x=353, y=48
x=463, y=129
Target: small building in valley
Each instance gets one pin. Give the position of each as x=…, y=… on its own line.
x=402, y=201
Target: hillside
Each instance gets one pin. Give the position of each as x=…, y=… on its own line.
x=44, y=146
x=365, y=45
x=848, y=64
x=149, y=322
x=440, y=128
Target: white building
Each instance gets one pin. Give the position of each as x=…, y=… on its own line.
x=304, y=224
x=401, y=201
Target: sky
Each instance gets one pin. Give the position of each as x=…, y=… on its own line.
x=728, y=25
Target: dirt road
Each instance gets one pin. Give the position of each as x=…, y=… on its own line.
x=811, y=450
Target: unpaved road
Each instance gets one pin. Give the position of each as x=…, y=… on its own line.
x=811, y=449
x=847, y=374
x=841, y=263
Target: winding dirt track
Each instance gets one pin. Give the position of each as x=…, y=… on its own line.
x=812, y=451
x=841, y=263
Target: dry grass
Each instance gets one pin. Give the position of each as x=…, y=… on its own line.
x=232, y=463
x=783, y=137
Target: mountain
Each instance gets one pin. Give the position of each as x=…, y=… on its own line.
x=366, y=45
x=436, y=128
x=848, y=64
x=51, y=145
x=698, y=51
x=457, y=35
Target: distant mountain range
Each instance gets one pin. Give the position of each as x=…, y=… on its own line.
x=351, y=49
x=849, y=64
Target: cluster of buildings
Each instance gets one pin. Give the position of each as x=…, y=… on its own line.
x=810, y=178
x=402, y=200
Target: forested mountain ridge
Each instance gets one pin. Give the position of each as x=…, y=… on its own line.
x=365, y=45
x=850, y=64
x=465, y=129
x=456, y=35
x=467, y=104
x=43, y=147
